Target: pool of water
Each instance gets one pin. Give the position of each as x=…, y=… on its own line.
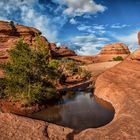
x=78, y=110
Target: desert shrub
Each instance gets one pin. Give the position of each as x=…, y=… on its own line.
x=2, y=87
x=72, y=67
x=29, y=72
x=53, y=68
x=118, y=58
x=12, y=24
x=83, y=72
x=69, y=67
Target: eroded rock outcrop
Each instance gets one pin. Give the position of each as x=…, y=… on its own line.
x=115, y=48
x=110, y=51
x=9, y=35
x=61, y=51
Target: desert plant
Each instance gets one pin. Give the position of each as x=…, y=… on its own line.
x=28, y=73
x=12, y=24
x=2, y=87
x=118, y=58
x=72, y=67
x=84, y=73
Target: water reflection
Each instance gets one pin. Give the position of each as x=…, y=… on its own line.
x=78, y=111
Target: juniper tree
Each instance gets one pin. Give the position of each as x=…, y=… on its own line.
x=29, y=73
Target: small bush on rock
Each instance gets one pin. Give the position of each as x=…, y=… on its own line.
x=118, y=58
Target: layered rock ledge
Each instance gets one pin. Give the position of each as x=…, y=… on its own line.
x=110, y=51
x=9, y=37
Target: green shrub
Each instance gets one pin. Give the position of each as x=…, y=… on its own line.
x=72, y=67
x=118, y=58
x=29, y=72
x=1, y=53
x=2, y=87
x=84, y=73
x=12, y=24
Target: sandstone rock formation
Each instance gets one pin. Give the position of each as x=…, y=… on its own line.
x=60, y=51
x=115, y=48
x=13, y=127
x=119, y=85
x=9, y=36
x=110, y=51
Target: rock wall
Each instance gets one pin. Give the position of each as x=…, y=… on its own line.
x=9, y=36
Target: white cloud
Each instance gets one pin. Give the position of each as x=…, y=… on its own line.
x=83, y=27
x=41, y=22
x=58, y=44
x=88, y=44
x=24, y=11
x=92, y=50
x=100, y=29
x=81, y=7
x=87, y=16
x=130, y=40
x=119, y=26
x=73, y=21
x=89, y=38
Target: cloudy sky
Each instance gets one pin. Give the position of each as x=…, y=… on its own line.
x=83, y=25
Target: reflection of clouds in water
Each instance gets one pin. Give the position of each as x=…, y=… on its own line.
x=81, y=112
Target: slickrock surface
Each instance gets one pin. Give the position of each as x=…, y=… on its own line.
x=13, y=127
x=119, y=85
x=97, y=68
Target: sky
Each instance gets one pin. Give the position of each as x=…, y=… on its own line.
x=82, y=25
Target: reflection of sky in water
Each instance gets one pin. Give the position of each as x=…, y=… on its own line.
x=80, y=112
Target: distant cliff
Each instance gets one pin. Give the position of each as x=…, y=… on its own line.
x=115, y=48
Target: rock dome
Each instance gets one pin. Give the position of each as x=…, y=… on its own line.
x=115, y=48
